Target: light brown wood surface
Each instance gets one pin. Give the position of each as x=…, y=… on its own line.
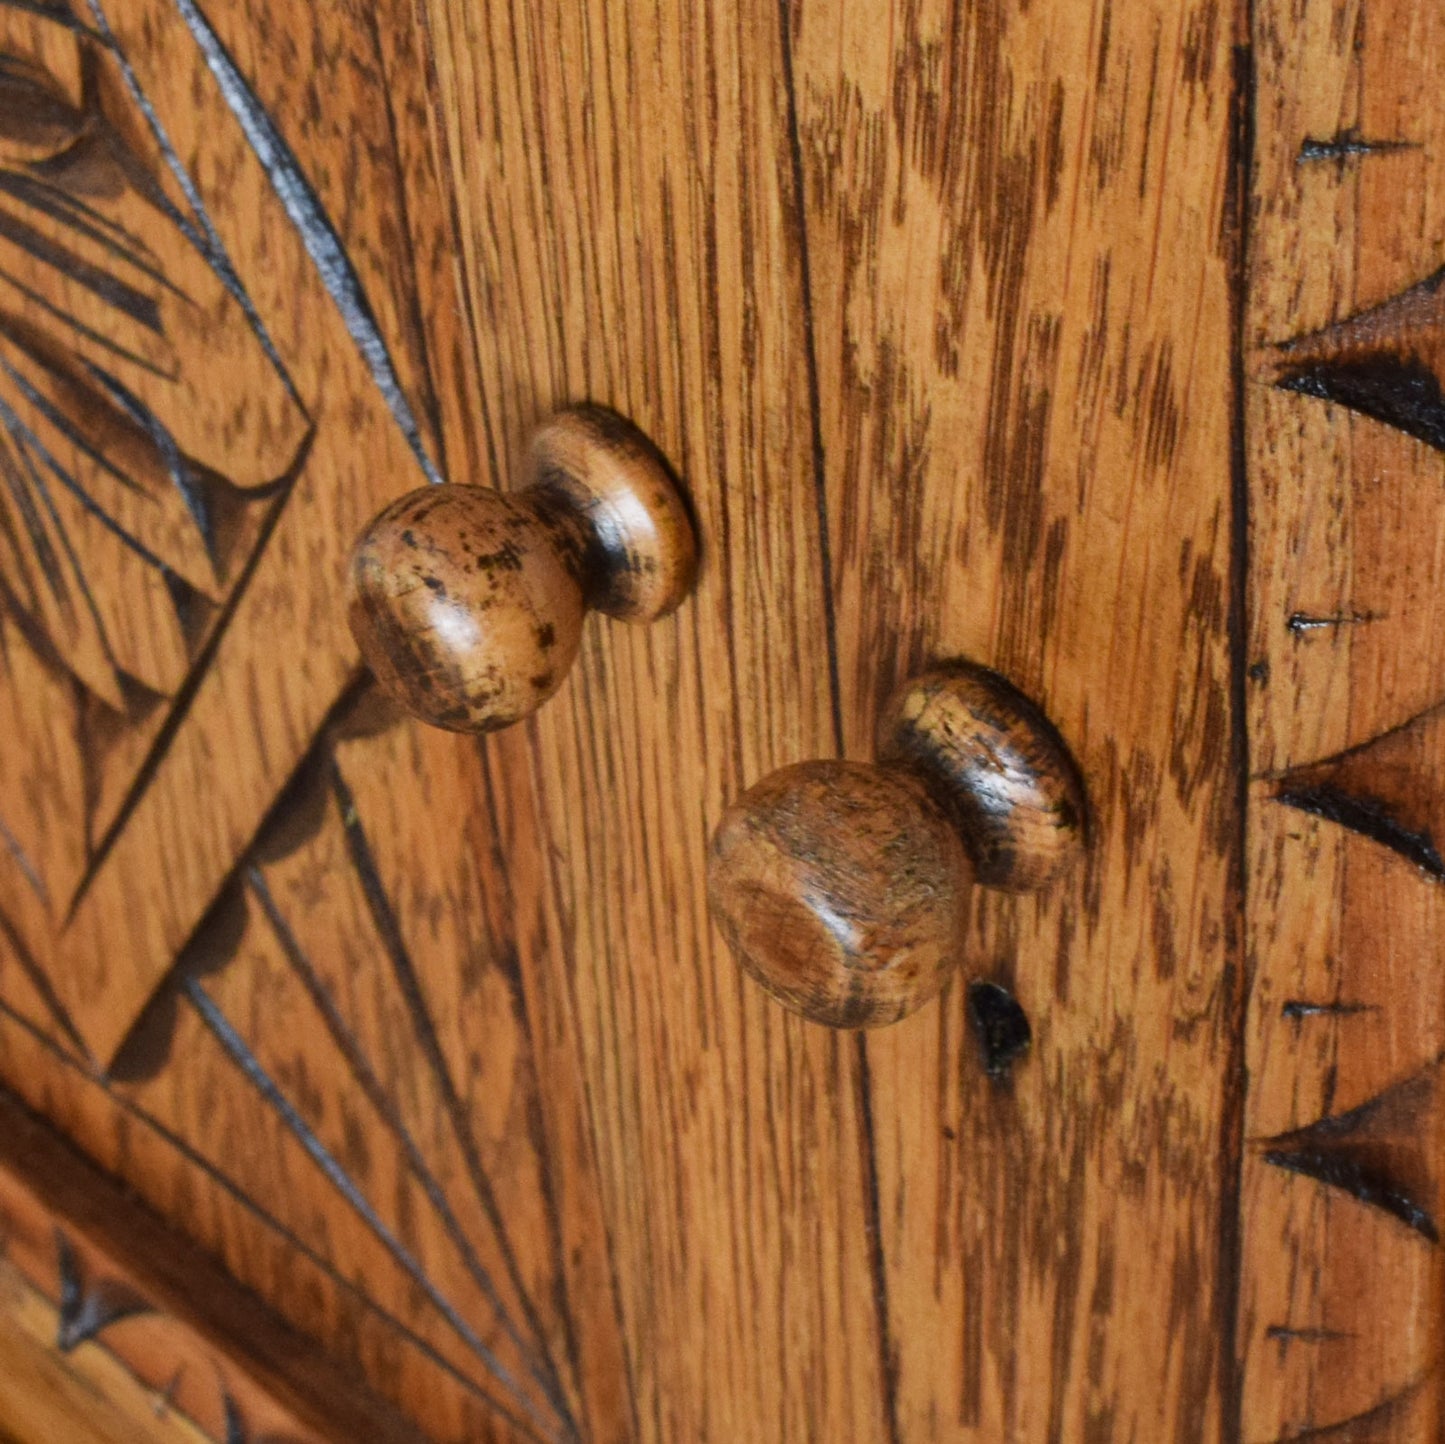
x=961, y=325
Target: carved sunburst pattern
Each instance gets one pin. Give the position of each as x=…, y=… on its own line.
x=147, y=435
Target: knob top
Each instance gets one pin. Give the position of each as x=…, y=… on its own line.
x=841, y=889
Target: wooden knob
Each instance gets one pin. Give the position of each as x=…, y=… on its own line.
x=468, y=603
x=842, y=888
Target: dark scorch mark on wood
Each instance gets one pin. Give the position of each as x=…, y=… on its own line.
x=1001, y=1026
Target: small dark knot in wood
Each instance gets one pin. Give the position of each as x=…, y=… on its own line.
x=843, y=888
x=467, y=603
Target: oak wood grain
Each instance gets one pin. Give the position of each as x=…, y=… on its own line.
x=964, y=328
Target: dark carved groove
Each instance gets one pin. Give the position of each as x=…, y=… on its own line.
x=1297, y=1009
x=251, y=1068
x=1362, y=1180
x=1380, y=1153
x=51, y=201
x=1001, y=1025
x=1346, y=145
x=183, y=478
x=1371, y=818
x=81, y=329
x=87, y=1309
x=12, y=845
x=102, y=284
x=206, y=239
x=351, y=1049
x=313, y=224
x=1401, y=392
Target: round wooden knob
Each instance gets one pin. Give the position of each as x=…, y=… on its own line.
x=468, y=603
x=843, y=888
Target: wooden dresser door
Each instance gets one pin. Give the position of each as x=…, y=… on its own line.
x=1100, y=344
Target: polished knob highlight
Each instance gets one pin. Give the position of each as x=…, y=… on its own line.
x=467, y=603
x=843, y=888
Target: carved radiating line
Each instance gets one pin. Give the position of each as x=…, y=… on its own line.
x=1302, y=622
x=105, y=286
x=27, y=441
x=12, y=846
x=87, y=1309
x=1364, y=1428
x=143, y=257
x=61, y=422
x=1288, y=1334
x=238, y=1195
x=19, y=433
x=81, y=329
x=57, y=10
x=53, y=202
x=239, y=1052
x=1297, y=1009
x=352, y=1050
x=178, y=468
x=378, y=902
x=207, y=241
x=39, y=979
x=317, y=233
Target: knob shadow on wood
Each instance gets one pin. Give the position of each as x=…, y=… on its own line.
x=842, y=887
x=467, y=603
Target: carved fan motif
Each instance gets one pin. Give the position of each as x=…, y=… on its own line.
x=147, y=432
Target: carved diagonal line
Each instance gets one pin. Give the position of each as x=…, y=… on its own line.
x=240, y=1053
x=351, y=1049
x=383, y=917
x=317, y=232
x=199, y=229
x=1381, y=1153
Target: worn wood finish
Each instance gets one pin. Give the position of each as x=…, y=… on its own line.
x=843, y=889
x=964, y=328
x=467, y=605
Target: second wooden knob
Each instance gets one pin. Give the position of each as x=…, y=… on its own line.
x=842, y=887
